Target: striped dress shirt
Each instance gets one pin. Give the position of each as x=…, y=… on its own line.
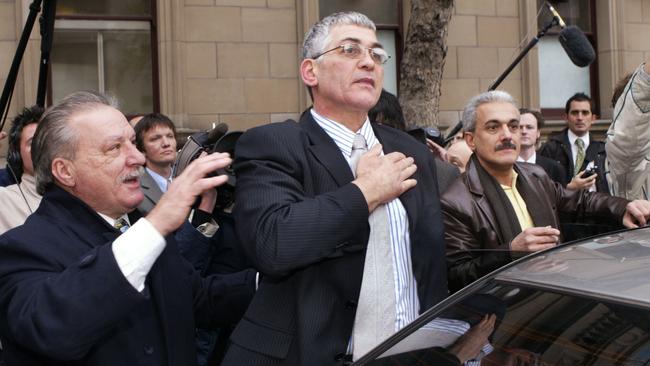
x=406, y=297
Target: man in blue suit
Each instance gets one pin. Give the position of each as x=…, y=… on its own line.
x=78, y=286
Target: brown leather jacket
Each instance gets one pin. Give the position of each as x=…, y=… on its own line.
x=474, y=246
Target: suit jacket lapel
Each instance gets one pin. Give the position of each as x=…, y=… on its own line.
x=475, y=187
x=325, y=150
x=150, y=188
x=566, y=146
x=88, y=227
x=409, y=198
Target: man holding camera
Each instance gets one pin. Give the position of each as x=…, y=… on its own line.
x=500, y=209
x=576, y=150
x=85, y=281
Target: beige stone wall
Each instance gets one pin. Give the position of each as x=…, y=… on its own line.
x=240, y=62
x=482, y=41
x=236, y=61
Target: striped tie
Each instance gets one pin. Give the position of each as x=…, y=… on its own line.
x=121, y=224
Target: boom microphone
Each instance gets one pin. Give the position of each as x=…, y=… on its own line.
x=577, y=46
x=216, y=133
x=557, y=16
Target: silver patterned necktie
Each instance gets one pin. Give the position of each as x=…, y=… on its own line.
x=375, y=317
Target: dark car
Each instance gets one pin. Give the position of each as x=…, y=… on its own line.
x=584, y=303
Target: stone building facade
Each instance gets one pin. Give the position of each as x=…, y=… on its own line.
x=236, y=61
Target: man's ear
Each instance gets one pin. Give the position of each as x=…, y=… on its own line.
x=469, y=139
x=63, y=171
x=309, y=72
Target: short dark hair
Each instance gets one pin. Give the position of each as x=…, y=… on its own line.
x=28, y=116
x=579, y=97
x=388, y=111
x=538, y=116
x=148, y=122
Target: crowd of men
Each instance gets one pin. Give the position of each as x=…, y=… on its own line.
x=345, y=230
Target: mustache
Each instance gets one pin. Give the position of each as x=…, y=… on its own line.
x=137, y=173
x=506, y=145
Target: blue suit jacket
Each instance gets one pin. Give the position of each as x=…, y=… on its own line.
x=65, y=301
x=305, y=227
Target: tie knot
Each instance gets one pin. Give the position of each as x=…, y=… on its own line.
x=359, y=142
x=121, y=224
x=580, y=143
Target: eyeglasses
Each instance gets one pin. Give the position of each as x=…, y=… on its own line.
x=356, y=51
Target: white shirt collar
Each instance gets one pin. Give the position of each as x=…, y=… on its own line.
x=532, y=159
x=159, y=179
x=342, y=136
x=111, y=221
x=573, y=137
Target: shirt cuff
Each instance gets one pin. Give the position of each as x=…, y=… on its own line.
x=136, y=251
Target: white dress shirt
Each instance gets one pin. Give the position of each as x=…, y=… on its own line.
x=574, y=148
x=406, y=297
x=136, y=250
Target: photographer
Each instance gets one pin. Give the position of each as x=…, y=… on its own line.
x=21, y=199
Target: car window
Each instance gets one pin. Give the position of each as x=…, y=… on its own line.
x=534, y=327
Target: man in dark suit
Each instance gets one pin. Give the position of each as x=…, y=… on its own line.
x=499, y=209
x=304, y=212
x=574, y=145
x=78, y=286
x=530, y=125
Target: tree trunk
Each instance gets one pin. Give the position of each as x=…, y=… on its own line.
x=423, y=61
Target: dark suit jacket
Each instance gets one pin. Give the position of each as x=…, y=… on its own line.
x=305, y=228
x=65, y=301
x=151, y=191
x=475, y=246
x=558, y=148
x=554, y=170
x=446, y=174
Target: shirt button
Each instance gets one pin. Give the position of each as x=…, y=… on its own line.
x=148, y=350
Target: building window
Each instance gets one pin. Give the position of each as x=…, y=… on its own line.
x=559, y=78
x=387, y=15
x=108, y=46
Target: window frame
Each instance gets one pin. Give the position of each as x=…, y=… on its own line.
x=151, y=19
x=594, y=91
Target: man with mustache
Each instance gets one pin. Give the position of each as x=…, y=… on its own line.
x=324, y=201
x=85, y=281
x=499, y=209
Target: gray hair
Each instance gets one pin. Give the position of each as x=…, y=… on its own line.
x=493, y=96
x=55, y=139
x=317, y=37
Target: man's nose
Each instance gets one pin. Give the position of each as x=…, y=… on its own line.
x=134, y=156
x=366, y=60
x=505, y=132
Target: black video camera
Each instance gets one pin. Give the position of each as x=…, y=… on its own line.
x=423, y=133
x=216, y=140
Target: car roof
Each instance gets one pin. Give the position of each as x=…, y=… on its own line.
x=615, y=266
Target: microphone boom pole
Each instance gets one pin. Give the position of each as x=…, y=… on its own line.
x=555, y=21
x=523, y=53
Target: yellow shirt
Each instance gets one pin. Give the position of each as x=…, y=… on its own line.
x=518, y=204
